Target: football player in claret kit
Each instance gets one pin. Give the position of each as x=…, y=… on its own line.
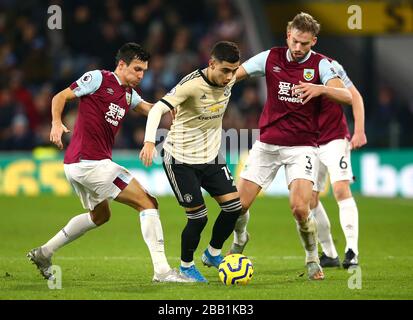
x=191, y=153
x=334, y=150
x=105, y=98
x=296, y=79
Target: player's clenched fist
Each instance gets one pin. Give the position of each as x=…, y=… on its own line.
x=56, y=134
x=308, y=91
x=147, y=153
x=358, y=140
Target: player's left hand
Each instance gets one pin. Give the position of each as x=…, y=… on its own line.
x=56, y=134
x=358, y=140
x=147, y=153
x=307, y=91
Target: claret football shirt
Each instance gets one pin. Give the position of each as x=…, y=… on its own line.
x=285, y=120
x=103, y=105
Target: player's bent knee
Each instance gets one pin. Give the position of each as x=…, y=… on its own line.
x=99, y=219
x=233, y=206
x=105, y=219
x=145, y=202
x=199, y=213
x=341, y=190
x=101, y=213
x=314, y=200
x=245, y=205
x=197, y=219
x=313, y=204
x=153, y=200
x=300, y=212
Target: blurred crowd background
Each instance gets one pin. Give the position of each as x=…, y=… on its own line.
x=36, y=63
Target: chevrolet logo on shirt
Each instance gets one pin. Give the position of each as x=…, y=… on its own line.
x=215, y=108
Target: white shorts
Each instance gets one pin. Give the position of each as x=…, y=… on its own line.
x=96, y=181
x=334, y=158
x=264, y=160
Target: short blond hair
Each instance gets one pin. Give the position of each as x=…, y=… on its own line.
x=304, y=22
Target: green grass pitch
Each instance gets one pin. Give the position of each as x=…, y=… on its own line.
x=112, y=262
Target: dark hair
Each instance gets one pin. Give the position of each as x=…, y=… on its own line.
x=304, y=22
x=226, y=51
x=130, y=51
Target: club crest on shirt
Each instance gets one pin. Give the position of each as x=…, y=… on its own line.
x=308, y=74
x=188, y=198
x=128, y=98
x=227, y=91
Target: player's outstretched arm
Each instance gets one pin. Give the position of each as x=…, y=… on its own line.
x=154, y=117
x=241, y=74
x=359, y=138
x=143, y=107
x=58, y=104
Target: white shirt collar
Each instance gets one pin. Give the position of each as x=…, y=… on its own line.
x=289, y=58
x=117, y=78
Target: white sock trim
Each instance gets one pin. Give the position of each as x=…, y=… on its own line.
x=240, y=229
x=325, y=238
x=349, y=223
x=152, y=234
x=149, y=212
x=346, y=203
x=213, y=251
x=308, y=234
x=187, y=264
x=75, y=228
x=91, y=221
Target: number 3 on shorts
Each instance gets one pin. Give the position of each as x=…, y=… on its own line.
x=309, y=166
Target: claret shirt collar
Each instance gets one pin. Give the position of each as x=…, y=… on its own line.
x=290, y=59
x=117, y=78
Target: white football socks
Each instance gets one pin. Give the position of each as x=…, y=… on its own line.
x=153, y=235
x=75, y=228
x=187, y=264
x=213, y=251
x=308, y=235
x=324, y=231
x=349, y=223
x=240, y=229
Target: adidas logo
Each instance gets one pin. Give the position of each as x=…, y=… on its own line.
x=203, y=97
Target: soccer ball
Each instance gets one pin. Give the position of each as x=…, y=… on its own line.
x=235, y=269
